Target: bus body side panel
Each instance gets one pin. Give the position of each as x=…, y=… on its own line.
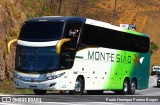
x=65, y=83
x=130, y=65
x=143, y=70
x=89, y=68
x=122, y=67
x=106, y=69
x=78, y=69
x=105, y=75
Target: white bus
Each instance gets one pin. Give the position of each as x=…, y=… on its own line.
x=155, y=70
x=76, y=54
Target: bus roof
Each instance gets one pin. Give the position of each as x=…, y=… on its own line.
x=86, y=21
x=113, y=27
x=58, y=19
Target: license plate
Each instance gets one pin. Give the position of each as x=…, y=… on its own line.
x=33, y=87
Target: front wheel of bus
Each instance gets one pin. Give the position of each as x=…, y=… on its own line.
x=40, y=92
x=79, y=87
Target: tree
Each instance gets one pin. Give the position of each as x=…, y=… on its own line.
x=153, y=47
x=52, y=6
x=59, y=8
x=76, y=5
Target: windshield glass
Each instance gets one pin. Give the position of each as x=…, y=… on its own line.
x=41, y=31
x=36, y=59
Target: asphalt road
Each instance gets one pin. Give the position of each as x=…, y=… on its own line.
x=143, y=97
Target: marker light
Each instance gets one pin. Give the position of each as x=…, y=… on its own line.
x=17, y=76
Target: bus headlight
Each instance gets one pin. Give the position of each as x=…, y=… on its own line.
x=53, y=76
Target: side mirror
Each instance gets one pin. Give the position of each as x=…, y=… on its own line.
x=60, y=43
x=9, y=45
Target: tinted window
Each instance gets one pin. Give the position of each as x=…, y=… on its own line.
x=41, y=31
x=139, y=44
x=72, y=30
x=93, y=35
x=90, y=35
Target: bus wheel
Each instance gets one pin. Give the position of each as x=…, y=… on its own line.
x=132, y=87
x=40, y=92
x=79, y=87
x=95, y=92
x=125, y=89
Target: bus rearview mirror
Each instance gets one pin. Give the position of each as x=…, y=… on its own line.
x=60, y=43
x=9, y=45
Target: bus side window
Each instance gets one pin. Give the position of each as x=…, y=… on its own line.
x=89, y=37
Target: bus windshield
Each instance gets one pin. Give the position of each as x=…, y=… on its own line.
x=36, y=59
x=41, y=31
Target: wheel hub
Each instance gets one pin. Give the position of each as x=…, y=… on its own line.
x=78, y=86
x=125, y=87
x=133, y=86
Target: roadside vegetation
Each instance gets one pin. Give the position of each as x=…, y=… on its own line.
x=154, y=47
x=7, y=87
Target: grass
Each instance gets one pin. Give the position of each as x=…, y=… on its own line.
x=7, y=87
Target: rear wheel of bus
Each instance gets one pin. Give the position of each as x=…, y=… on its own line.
x=78, y=88
x=132, y=86
x=40, y=92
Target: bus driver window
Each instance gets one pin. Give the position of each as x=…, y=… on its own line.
x=73, y=32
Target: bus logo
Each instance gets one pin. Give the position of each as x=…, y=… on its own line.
x=137, y=59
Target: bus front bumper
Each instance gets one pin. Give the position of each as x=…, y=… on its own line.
x=45, y=85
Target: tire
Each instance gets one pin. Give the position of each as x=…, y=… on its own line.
x=125, y=89
x=40, y=92
x=132, y=88
x=79, y=87
x=152, y=74
x=95, y=92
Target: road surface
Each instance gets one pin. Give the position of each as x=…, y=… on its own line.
x=142, y=97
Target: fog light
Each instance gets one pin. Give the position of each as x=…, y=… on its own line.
x=53, y=84
x=16, y=83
